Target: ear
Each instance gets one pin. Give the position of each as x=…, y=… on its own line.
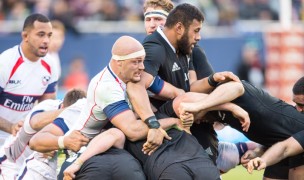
x=24, y=35
x=180, y=28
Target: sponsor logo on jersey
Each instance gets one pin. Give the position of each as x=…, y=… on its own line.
x=45, y=80
x=18, y=103
x=175, y=67
x=11, y=81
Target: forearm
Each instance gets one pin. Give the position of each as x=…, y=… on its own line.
x=5, y=125
x=102, y=143
x=139, y=130
x=139, y=100
x=222, y=94
x=201, y=86
x=44, y=142
x=40, y=120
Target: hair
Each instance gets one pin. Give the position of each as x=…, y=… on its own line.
x=58, y=25
x=298, y=88
x=29, y=21
x=72, y=96
x=166, y=5
x=228, y=157
x=184, y=13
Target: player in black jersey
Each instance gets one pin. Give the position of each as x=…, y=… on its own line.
x=272, y=120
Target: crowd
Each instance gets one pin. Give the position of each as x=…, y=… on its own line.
x=70, y=11
x=151, y=113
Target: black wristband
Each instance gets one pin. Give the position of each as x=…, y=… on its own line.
x=211, y=81
x=152, y=122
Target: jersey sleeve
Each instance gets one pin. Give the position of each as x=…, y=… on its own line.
x=299, y=137
x=54, y=75
x=111, y=103
x=201, y=64
x=155, y=55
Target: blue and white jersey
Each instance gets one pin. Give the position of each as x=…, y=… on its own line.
x=69, y=117
x=22, y=82
x=106, y=98
x=15, y=149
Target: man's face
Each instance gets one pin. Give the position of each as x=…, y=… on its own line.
x=38, y=38
x=58, y=38
x=152, y=22
x=299, y=100
x=190, y=37
x=131, y=69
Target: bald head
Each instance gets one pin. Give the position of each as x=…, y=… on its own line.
x=127, y=47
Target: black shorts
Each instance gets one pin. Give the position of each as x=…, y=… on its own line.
x=296, y=161
x=114, y=164
x=278, y=171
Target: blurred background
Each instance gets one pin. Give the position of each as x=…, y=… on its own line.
x=261, y=41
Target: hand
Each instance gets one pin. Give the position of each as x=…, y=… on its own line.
x=179, y=126
x=257, y=163
x=16, y=127
x=225, y=76
x=75, y=140
x=250, y=154
x=154, y=140
x=242, y=116
x=187, y=119
x=69, y=172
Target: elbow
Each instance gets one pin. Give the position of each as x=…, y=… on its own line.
x=239, y=88
x=32, y=144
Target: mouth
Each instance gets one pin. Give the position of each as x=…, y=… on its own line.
x=43, y=49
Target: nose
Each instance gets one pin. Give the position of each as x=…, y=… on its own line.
x=198, y=37
x=141, y=66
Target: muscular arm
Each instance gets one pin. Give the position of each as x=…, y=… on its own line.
x=275, y=154
x=136, y=129
x=47, y=139
x=38, y=121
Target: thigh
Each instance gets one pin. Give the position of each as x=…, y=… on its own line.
x=277, y=171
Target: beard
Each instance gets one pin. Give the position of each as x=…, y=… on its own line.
x=183, y=45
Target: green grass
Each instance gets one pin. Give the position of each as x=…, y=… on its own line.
x=240, y=173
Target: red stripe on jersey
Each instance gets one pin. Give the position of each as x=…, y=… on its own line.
x=46, y=65
x=18, y=63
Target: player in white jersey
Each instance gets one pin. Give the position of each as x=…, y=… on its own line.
x=107, y=101
x=42, y=167
x=27, y=74
x=17, y=150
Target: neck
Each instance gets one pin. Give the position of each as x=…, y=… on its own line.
x=171, y=36
x=27, y=53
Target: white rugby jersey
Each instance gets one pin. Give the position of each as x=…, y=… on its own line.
x=16, y=148
x=22, y=82
x=106, y=98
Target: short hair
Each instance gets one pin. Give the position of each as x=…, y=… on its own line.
x=29, y=21
x=56, y=24
x=166, y=5
x=184, y=13
x=228, y=157
x=72, y=96
x=298, y=88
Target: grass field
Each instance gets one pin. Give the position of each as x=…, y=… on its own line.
x=240, y=173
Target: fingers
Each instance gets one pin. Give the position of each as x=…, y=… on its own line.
x=165, y=134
